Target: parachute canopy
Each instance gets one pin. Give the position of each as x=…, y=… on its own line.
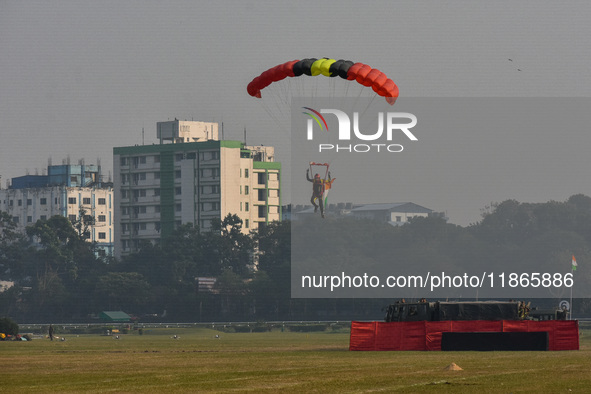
x=346, y=69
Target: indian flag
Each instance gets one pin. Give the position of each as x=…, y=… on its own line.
x=574, y=263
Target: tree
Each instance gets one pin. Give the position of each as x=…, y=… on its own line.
x=83, y=223
x=122, y=290
x=12, y=249
x=232, y=290
x=227, y=247
x=271, y=285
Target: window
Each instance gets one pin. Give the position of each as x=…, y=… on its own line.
x=177, y=174
x=43, y=217
x=29, y=219
x=72, y=218
x=213, y=189
x=157, y=159
x=123, y=161
x=246, y=223
x=102, y=236
x=246, y=172
x=178, y=157
x=102, y=218
x=29, y=201
x=71, y=200
x=246, y=190
x=20, y=203
x=156, y=192
x=210, y=156
x=142, y=159
x=178, y=207
x=399, y=218
x=262, y=194
x=157, y=226
x=139, y=193
x=157, y=175
x=177, y=191
x=102, y=201
x=210, y=172
x=261, y=176
x=43, y=201
x=156, y=208
x=141, y=176
x=246, y=206
x=15, y=219
x=124, y=194
x=86, y=201
x=262, y=211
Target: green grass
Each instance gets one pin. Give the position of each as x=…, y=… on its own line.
x=275, y=362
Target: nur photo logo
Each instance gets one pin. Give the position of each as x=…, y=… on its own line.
x=390, y=125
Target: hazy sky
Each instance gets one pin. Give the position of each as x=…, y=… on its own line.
x=80, y=77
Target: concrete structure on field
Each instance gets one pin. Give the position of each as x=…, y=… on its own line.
x=191, y=177
x=66, y=190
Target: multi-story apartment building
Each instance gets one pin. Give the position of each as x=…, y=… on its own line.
x=191, y=177
x=64, y=191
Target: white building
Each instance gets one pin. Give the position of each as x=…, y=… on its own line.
x=395, y=214
x=193, y=178
x=64, y=191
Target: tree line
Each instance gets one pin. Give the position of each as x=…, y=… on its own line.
x=58, y=276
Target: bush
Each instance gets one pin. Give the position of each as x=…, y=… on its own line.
x=8, y=326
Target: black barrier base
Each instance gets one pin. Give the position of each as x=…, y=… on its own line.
x=488, y=341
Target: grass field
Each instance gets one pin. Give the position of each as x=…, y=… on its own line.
x=275, y=362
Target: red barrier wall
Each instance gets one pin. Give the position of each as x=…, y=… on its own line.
x=424, y=335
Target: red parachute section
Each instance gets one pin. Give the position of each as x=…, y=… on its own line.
x=346, y=69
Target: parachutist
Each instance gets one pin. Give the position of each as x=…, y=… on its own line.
x=320, y=188
x=317, y=191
